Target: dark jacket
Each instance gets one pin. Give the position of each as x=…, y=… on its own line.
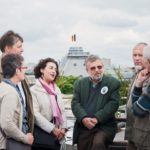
x=130, y=117
x=141, y=103
x=107, y=105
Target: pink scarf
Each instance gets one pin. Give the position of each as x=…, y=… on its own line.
x=55, y=107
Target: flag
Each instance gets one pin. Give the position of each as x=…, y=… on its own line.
x=73, y=38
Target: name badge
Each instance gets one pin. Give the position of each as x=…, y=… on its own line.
x=104, y=90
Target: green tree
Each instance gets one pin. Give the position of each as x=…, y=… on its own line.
x=65, y=83
x=124, y=85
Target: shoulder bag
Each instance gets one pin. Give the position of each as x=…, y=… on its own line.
x=44, y=140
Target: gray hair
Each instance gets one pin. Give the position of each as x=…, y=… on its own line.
x=140, y=44
x=146, y=52
x=92, y=58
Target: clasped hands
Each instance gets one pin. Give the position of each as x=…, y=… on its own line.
x=89, y=122
x=59, y=133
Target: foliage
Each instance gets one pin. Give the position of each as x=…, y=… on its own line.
x=124, y=85
x=65, y=83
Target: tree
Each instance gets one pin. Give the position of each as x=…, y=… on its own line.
x=124, y=85
x=65, y=83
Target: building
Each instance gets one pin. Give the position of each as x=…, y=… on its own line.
x=73, y=62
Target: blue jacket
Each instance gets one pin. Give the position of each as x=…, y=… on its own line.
x=141, y=102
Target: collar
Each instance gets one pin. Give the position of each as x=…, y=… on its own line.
x=38, y=86
x=8, y=81
x=94, y=84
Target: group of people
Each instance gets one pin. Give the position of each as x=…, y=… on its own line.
x=94, y=103
x=22, y=107
x=96, y=99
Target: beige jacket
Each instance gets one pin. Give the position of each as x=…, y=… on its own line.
x=10, y=115
x=42, y=107
x=28, y=96
x=1, y=74
x=29, y=104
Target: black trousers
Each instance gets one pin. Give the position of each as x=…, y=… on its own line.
x=42, y=148
x=94, y=139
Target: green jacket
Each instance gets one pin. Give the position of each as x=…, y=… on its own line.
x=107, y=105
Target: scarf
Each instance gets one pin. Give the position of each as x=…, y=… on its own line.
x=50, y=89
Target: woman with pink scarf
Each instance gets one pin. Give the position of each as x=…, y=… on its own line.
x=47, y=101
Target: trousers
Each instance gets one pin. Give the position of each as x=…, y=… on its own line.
x=92, y=140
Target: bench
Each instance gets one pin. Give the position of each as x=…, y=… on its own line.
x=117, y=146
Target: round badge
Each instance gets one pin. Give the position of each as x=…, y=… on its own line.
x=104, y=90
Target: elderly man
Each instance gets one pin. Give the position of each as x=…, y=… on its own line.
x=95, y=101
x=141, y=104
x=137, y=56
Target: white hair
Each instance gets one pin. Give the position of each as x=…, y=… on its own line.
x=146, y=52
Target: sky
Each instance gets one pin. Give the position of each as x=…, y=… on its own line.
x=107, y=28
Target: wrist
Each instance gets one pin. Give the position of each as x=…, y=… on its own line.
x=139, y=84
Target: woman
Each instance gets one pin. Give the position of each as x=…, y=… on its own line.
x=13, y=109
x=47, y=100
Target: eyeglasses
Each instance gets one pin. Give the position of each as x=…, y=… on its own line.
x=94, y=68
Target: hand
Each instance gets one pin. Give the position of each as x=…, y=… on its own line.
x=94, y=120
x=142, y=76
x=30, y=138
x=59, y=133
x=63, y=131
x=88, y=122
x=56, y=132
x=62, y=134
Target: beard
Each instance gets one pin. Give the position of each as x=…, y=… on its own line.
x=97, y=78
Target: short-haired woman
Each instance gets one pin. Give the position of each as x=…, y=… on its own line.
x=13, y=111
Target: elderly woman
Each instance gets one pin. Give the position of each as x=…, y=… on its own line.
x=47, y=101
x=13, y=111
x=141, y=104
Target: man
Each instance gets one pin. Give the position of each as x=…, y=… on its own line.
x=11, y=42
x=95, y=101
x=141, y=104
x=137, y=56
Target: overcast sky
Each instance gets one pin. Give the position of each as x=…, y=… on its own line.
x=108, y=28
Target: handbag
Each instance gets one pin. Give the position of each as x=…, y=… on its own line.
x=44, y=139
x=12, y=144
